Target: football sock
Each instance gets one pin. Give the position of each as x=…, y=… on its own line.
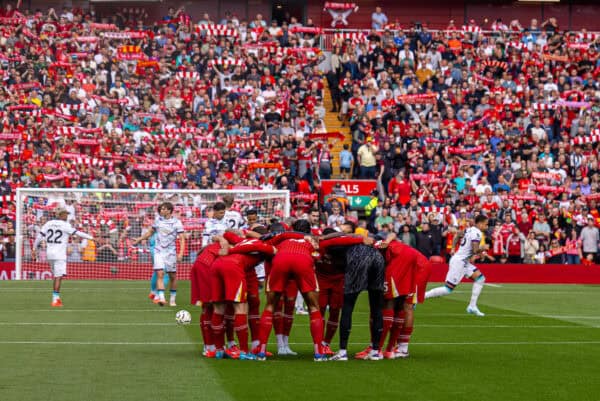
x=153, y=282
x=332, y=324
x=286, y=341
x=280, y=342
x=404, y=338
x=173, y=295
x=229, y=327
x=266, y=323
x=388, y=321
x=161, y=295
x=437, y=292
x=241, y=330
x=477, y=287
x=205, y=325
x=288, y=316
x=55, y=295
x=254, y=317
x=395, y=331
x=278, y=321
x=218, y=328
x=299, y=301
x=316, y=329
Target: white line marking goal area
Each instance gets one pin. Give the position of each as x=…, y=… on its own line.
x=187, y=343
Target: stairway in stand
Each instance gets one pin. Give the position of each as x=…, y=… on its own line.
x=334, y=125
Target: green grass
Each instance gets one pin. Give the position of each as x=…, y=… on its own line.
x=110, y=343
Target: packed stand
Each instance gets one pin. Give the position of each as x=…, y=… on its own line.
x=462, y=121
x=123, y=102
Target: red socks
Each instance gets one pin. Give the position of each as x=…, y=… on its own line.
x=332, y=324
x=254, y=317
x=388, y=320
x=316, y=329
x=266, y=323
x=218, y=328
x=396, y=329
x=405, y=334
x=205, y=324
x=240, y=326
x=288, y=316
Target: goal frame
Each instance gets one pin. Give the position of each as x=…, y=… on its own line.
x=32, y=191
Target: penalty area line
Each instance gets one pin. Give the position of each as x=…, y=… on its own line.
x=176, y=343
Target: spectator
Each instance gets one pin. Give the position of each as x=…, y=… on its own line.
x=589, y=237
x=425, y=241
x=366, y=160
x=378, y=19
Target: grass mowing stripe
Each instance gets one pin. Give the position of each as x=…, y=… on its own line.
x=295, y=343
x=466, y=326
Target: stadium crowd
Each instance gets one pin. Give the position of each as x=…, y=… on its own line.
x=450, y=123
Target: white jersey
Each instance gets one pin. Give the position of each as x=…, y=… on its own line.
x=213, y=227
x=465, y=251
x=234, y=219
x=56, y=234
x=166, y=234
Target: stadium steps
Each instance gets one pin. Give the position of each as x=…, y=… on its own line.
x=333, y=124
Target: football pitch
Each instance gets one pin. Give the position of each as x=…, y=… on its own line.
x=109, y=342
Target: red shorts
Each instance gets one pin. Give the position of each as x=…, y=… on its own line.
x=421, y=280
x=292, y=266
x=331, y=290
x=291, y=290
x=399, y=280
x=201, y=273
x=228, y=282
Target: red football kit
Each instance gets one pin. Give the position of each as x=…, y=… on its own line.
x=421, y=279
x=401, y=262
x=200, y=274
x=293, y=261
x=228, y=273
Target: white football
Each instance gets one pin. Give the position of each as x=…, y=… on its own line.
x=183, y=317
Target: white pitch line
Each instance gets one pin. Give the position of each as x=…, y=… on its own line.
x=34, y=342
x=125, y=324
x=493, y=285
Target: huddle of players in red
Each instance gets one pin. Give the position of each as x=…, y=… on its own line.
x=224, y=281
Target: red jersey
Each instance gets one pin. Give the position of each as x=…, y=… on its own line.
x=398, y=253
x=514, y=245
x=249, y=253
x=208, y=254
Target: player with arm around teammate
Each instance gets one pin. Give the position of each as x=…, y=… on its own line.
x=460, y=265
x=165, y=258
x=56, y=234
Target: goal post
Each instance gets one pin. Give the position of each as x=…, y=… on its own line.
x=114, y=217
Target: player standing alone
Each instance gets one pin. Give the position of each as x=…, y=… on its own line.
x=56, y=234
x=460, y=266
x=167, y=228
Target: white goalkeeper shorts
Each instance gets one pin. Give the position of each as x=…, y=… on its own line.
x=457, y=269
x=58, y=267
x=166, y=262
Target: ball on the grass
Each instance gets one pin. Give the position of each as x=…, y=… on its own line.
x=183, y=317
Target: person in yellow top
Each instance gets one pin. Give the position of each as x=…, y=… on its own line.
x=366, y=160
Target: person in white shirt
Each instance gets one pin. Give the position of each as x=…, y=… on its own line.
x=215, y=225
x=168, y=229
x=233, y=218
x=55, y=233
x=460, y=265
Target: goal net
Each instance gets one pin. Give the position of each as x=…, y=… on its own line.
x=115, y=218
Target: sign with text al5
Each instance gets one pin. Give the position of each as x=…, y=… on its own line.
x=351, y=187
